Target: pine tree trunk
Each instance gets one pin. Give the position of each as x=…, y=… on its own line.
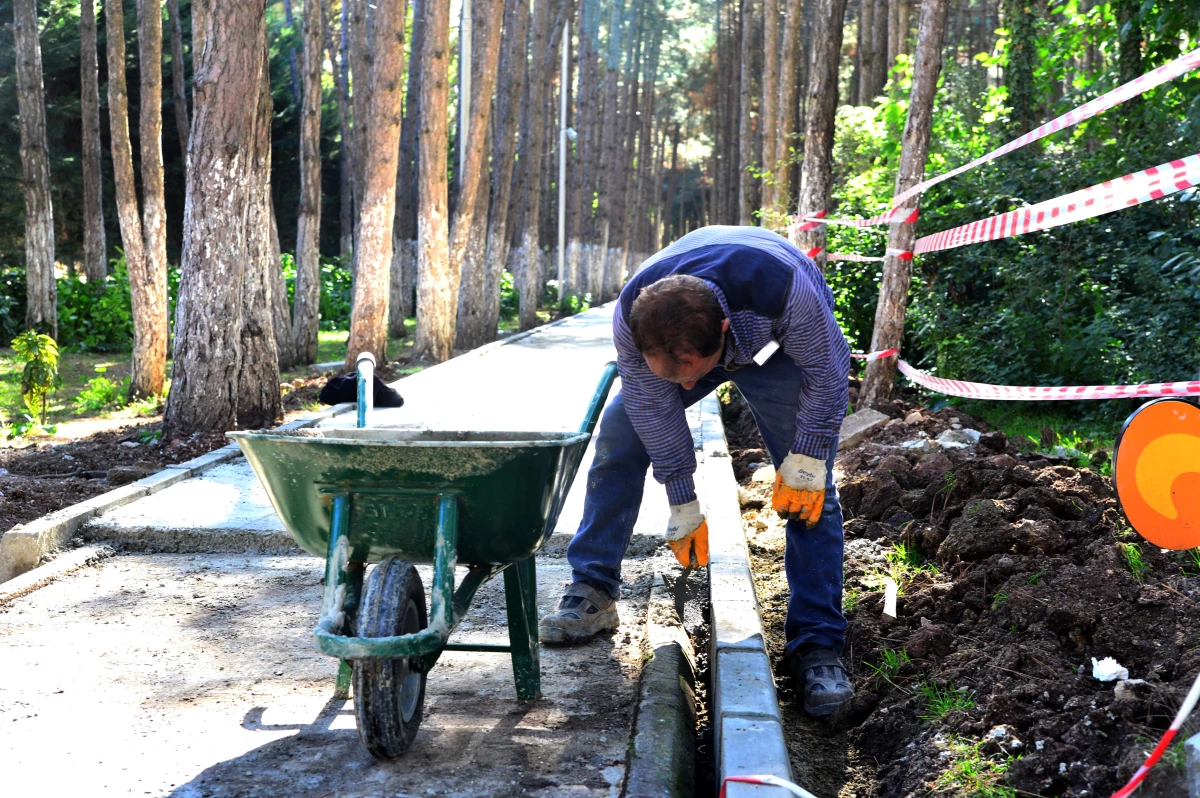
x=437, y=286
x=1129, y=51
x=354, y=16
x=787, y=105
x=259, y=401
x=404, y=235
x=381, y=144
x=771, y=112
x=533, y=150
x=580, y=213
x=894, y=41
x=643, y=201
x=281, y=312
x=504, y=151
x=862, y=66
x=897, y=273
x=306, y=317
x=95, y=266
x=816, y=177
x=346, y=169
x=218, y=246
x=178, y=78
x=611, y=135
x=148, y=277
x=41, y=311
x=745, y=122
x=1022, y=54
x=467, y=248
x=879, y=66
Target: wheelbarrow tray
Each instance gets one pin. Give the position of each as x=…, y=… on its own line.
x=510, y=488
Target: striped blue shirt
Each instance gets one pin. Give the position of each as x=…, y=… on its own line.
x=806, y=331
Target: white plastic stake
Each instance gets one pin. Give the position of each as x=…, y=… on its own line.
x=890, y=592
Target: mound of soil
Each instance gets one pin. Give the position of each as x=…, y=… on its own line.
x=1015, y=570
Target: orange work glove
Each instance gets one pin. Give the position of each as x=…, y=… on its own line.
x=687, y=534
x=800, y=488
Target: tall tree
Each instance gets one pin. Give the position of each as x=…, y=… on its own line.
x=95, y=265
x=1022, y=54
x=178, y=78
x=42, y=294
x=380, y=149
x=346, y=165
x=224, y=184
x=746, y=163
x=404, y=230
x=580, y=213
x=437, y=284
x=532, y=149
x=306, y=314
x=770, y=99
x=816, y=177
x=470, y=216
x=281, y=312
x=876, y=78
x=608, y=159
x=148, y=278
x=504, y=153
x=897, y=272
x=781, y=165
x=355, y=32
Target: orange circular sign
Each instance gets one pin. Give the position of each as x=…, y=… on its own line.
x=1156, y=468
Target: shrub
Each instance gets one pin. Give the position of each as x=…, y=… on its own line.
x=40, y=377
x=101, y=394
x=94, y=320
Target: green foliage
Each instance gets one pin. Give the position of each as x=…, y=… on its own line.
x=938, y=701
x=12, y=302
x=999, y=599
x=510, y=298
x=972, y=774
x=95, y=319
x=849, y=600
x=890, y=663
x=39, y=355
x=102, y=394
x=1134, y=560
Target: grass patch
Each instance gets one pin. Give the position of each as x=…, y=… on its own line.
x=972, y=774
x=1134, y=560
x=904, y=563
x=849, y=600
x=999, y=599
x=890, y=663
x=1028, y=418
x=939, y=701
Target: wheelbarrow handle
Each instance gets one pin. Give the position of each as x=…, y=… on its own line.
x=598, y=399
x=366, y=387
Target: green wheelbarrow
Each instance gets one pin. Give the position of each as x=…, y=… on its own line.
x=486, y=500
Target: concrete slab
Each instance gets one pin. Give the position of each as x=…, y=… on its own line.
x=856, y=427
x=195, y=675
x=753, y=746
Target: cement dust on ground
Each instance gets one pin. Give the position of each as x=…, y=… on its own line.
x=196, y=675
x=1015, y=570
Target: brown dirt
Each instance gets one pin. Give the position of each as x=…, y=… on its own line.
x=1016, y=576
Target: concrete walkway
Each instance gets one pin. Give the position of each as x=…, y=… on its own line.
x=192, y=672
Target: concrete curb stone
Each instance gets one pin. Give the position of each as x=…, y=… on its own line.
x=747, y=734
x=856, y=427
x=45, y=574
x=662, y=760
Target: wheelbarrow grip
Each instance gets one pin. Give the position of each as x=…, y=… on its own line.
x=366, y=387
x=598, y=399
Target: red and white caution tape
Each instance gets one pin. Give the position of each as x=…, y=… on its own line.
x=1181, y=717
x=899, y=253
x=1022, y=393
x=1111, y=195
x=1167, y=72
x=768, y=781
x=894, y=216
x=801, y=227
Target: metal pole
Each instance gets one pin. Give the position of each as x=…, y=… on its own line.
x=562, y=160
x=464, y=83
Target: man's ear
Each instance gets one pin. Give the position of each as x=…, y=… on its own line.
x=725, y=326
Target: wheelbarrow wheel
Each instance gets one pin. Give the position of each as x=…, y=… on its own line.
x=389, y=693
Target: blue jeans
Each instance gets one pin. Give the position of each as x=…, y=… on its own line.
x=813, y=558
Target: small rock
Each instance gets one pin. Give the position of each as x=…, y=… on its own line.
x=914, y=417
x=995, y=441
x=932, y=640
x=68, y=457
x=895, y=422
x=1131, y=689
x=765, y=474
x=123, y=475
x=1003, y=461
x=748, y=499
x=956, y=426
x=1108, y=669
x=130, y=444
x=1000, y=739
x=954, y=439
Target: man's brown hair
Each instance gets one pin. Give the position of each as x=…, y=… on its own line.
x=675, y=316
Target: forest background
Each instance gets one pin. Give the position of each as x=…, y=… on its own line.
x=1114, y=299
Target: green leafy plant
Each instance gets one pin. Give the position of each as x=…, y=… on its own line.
x=1035, y=579
x=39, y=354
x=1135, y=560
x=938, y=701
x=999, y=599
x=150, y=436
x=850, y=600
x=1191, y=562
x=102, y=394
x=510, y=298
x=973, y=774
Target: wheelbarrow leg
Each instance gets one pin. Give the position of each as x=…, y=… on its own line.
x=354, y=581
x=520, y=590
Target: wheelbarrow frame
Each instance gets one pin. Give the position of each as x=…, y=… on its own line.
x=344, y=572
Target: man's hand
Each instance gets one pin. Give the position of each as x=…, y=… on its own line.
x=800, y=488
x=687, y=534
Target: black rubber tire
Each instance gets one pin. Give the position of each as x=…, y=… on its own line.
x=389, y=694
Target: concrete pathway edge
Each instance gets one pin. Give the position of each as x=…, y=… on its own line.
x=747, y=724
x=25, y=545
x=662, y=760
x=44, y=574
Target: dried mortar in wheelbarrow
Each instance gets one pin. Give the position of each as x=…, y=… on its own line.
x=486, y=500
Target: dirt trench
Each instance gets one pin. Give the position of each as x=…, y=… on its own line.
x=1015, y=570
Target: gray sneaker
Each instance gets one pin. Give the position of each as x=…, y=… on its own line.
x=583, y=613
x=822, y=677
